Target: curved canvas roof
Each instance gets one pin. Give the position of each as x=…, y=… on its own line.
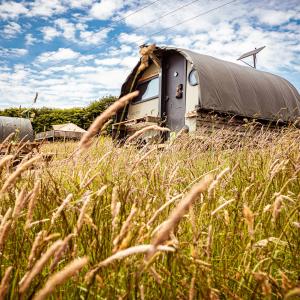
x=229, y=87
x=68, y=127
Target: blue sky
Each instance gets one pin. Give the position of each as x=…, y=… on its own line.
x=75, y=51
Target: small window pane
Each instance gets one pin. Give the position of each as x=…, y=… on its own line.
x=193, y=79
x=148, y=90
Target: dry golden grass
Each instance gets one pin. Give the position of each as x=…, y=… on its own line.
x=213, y=216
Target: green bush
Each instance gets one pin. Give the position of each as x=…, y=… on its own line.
x=43, y=118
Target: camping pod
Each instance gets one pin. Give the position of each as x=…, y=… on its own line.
x=59, y=132
x=183, y=89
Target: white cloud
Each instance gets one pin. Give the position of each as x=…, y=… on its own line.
x=60, y=55
x=68, y=29
x=16, y=52
x=81, y=26
x=108, y=61
x=228, y=42
x=274, y=17
x=93, y=37
x=29, y=39
x=160, y=38
x=77, y=33
x=76, y=87
x=123, y=49
x=4, y=68
x=130, y=61
x=132, y=38
x=39, y=8
x=127, y=61
x=12, y=10
x=292, y=26
x=67, y=85
x=79, y=3
x=105, y=9
x=20, y=73
x=210, y=14
x=44, y=8
x=11, y=30
x=50, y=33
x=56, y=69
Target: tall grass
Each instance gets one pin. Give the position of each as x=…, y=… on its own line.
x=128, y=223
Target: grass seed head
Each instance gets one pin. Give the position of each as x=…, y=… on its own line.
x=32, y=204
x=249, y=219
x=5, y=227
x=277, y=207
x=57, y=213
x=181, y=209
x=5, y=161
x=216, y=181
x=292, y=294
x=146, y=129
x=38, y=241
x=96, y=126
x=38, y=266
x=4, y=286
x=131, y=251
x=209, y=241
x=80, y=221
x=15, y=175
x=19, y=204
x=60, y=277
x=285, y=282
x=125, y=228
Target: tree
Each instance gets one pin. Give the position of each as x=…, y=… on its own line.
x=43, y=118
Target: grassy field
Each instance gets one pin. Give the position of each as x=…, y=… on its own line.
x=129, y=223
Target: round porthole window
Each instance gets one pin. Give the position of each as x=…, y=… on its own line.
x=193, y=78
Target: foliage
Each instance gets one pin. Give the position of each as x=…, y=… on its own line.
x=43, y=118
x=240, y=239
